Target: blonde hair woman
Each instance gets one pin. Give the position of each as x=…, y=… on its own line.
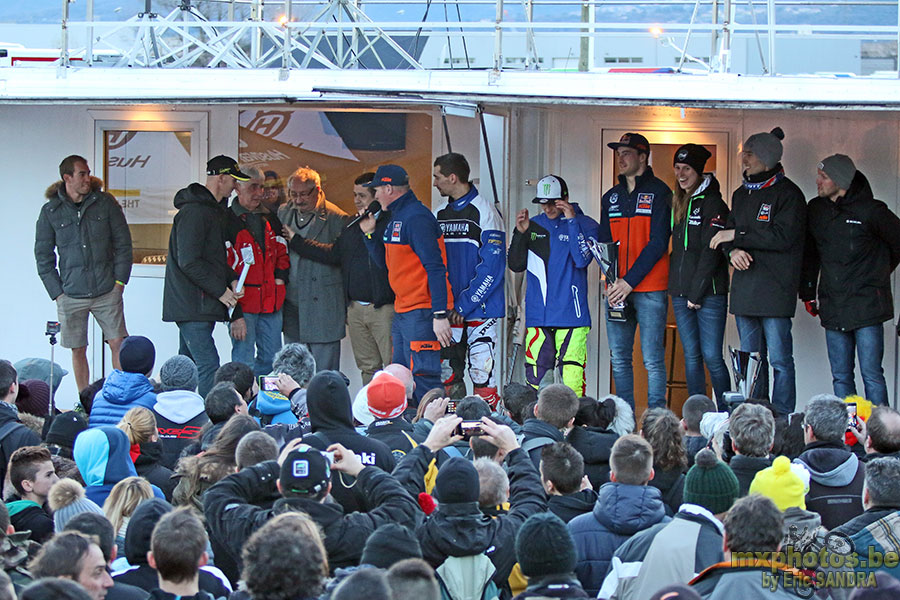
x=121, y=502
x=139, y=424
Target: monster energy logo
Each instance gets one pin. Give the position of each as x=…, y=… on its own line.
x=547, y=188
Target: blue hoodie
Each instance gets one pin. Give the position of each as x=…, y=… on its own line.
x=120, y=392
x=102, y=457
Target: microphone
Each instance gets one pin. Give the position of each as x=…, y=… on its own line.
x=374, y=207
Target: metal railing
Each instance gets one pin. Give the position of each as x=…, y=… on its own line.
x=341, y=34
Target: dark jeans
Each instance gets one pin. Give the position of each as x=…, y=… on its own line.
x=650, y=313
x=772, y=334
x=868, y=344
x=196, y=342
x=702, y=334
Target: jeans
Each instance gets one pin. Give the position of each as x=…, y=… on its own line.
x=417, y=348
x=196, y=342
x=702, y=334
x=772, y=334
x=650, y=310
x=868, y=342
x=263, y=337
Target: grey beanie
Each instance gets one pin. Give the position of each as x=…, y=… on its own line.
x=178, y=373
x=67, y=499
x=840, y=169
x=766, y=146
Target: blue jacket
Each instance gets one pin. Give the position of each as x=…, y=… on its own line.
x=556, y=255
x=620, y=512
x=120, y=392
x=476, y=260
x=101, y=455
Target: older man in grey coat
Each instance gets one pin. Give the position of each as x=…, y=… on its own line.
x=315, y=308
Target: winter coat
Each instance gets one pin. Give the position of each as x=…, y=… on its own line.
x=180, y=415
x=92, y=240
x=121, y=392
x=364, y=280
x=397, y=434
x=536, y=435
x=197, y=272
x=836, y=479
x=695, y=269
x=123, y=591
x=569, y=506
x=595, y=446
x=665, y=554
x=620, y=511
x=148, y=465
x=270, y=261
x=461, y=529
x=553, y=586
x=852, y=247
x=640, y=222
x=745, y=469
x=331, y=417
x=670, y=483
x=317, y=289
x=232, y=514
x=14, y=435
x=874, y=530
x=692, y=445
x=26, y=515
x=726, y=581
x=768, y=215
x=101, y=454
x=556, y=255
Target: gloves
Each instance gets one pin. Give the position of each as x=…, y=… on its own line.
x=812, y=307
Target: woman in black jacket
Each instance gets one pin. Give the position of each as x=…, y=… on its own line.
x=698, y=275
x=139, y=424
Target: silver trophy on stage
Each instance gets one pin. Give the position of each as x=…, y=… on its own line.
x=745, y=366
x=607, y=254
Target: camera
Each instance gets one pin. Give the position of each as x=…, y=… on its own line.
x=467, y=429
x=451, y=407
x=52, y=328
x=852, y=419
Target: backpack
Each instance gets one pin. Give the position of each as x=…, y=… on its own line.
x=467, y=578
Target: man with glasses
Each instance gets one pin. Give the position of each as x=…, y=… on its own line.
x=314, y=308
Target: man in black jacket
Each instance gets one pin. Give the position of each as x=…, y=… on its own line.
x=763, y=239
x=303, y=477
x=199, y=285
x=13, y=434
x=852, y=247
x=370, y=300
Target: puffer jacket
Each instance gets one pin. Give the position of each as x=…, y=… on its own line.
x=620, y=512
x=852, y=247
x=120, y=392
x=92, y=240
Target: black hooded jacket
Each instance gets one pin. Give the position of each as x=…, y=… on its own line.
x=197, y=272
x=13, y=435
x=852, y=247
x=569, y=506
x=331, y=417
x=149, y=467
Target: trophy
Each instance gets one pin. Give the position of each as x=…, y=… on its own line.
x=745, y=366
x=607, y=254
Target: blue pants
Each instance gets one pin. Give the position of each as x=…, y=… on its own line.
x=263, y=337
x=868, y=343
x=702, y=334
x=650, y=310
x=196, y=342
x=416, y=346
x=772, y=335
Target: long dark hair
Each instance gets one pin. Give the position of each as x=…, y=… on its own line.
x=682, y=198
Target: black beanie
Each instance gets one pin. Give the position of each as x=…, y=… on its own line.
x=389, y=544
x=457, y=481
x=544, y=546
x=137, y=355
x=65, y=427
x=692, y=155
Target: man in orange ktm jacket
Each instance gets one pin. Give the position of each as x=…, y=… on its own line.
x=635, y=213
x=256, y=323
x=412, y=249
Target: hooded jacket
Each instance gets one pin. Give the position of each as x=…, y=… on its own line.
x=29, y=516
x=331, y=418
x=16, y=435
x=461, y=529
x=556, y=255
x=620, y=511
x=836, y=478
x=101, y=454
x=695, y=269
x=137, y=544
x=148, y=465
x=769, y=222
x=852, y=247
x=197, y=272
x=233, y=514
x=745, y=469
x=92, y=240
x=180, y=415
x=569, y=506
x=595, y=446
x=120, y=392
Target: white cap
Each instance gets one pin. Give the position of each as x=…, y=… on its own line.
x=361, y=407
x=549, y=188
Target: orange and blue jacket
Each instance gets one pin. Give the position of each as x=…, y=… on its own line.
x=412, y=249
x=640, y=222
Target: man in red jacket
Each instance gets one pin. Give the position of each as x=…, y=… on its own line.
x=256, y=322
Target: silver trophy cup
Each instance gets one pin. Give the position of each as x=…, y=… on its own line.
x=745, y=366
x=607, y=254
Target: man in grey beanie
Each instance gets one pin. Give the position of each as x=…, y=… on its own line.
x=179, y=408
x=853, y=245
x=763, y=240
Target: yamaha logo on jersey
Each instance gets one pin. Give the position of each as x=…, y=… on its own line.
x=395, y=233
x=614, y=198
x=644, y=204
x=765, y=213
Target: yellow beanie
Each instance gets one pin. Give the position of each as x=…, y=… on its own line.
x=783, y=483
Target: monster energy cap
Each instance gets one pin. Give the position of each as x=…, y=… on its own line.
x=551, y=187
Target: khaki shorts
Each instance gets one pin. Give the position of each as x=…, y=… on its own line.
x=108, y=310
